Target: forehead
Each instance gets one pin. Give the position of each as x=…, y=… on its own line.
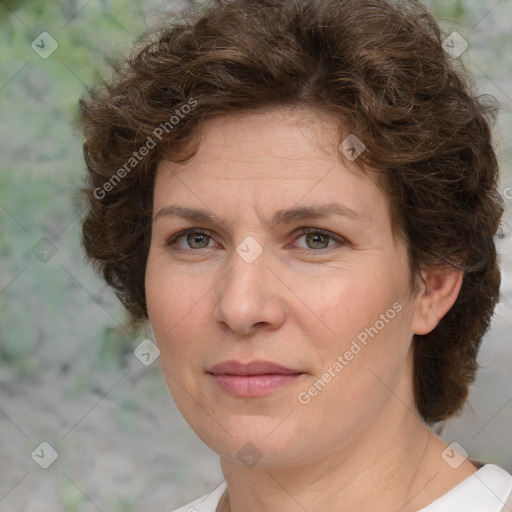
x=270, y=158
x=287, y=134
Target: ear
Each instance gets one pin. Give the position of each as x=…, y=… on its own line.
x=438, y=294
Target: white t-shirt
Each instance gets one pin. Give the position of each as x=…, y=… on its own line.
x=486, y=490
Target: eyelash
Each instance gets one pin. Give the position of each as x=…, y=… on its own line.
x=302, y=231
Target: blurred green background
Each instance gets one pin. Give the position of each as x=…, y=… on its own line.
x=68, y=373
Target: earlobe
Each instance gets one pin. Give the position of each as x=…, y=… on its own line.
x=438, y=293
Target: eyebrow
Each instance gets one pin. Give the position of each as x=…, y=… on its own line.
x=280, y=217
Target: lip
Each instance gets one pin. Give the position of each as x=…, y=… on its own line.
x=258, y=367
x=253, y=379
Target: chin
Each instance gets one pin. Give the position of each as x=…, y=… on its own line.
x=252, y=439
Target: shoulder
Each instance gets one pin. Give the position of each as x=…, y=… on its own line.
x=487, y=490
x=207, y=503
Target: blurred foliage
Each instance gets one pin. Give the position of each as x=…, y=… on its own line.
x=457, y=9
x=115, y=347
x=46, y=308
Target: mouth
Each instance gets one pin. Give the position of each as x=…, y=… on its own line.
x=253, y=379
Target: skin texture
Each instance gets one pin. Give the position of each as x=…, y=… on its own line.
x=359, y=442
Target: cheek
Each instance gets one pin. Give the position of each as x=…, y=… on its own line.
x=179, y=314
x=170, y=292
x=167, y=303
x=365, y=358
x=365, y=318
x=347, y=302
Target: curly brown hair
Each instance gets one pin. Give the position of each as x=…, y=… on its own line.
x=379, y=66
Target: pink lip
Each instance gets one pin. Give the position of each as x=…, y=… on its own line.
x=257, y=378
x=251, y=368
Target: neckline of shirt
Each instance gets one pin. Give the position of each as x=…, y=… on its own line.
x=486, y=490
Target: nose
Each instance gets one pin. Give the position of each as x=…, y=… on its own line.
x=250, y=297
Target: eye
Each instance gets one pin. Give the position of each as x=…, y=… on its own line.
x=318, y=239
x=192, y=238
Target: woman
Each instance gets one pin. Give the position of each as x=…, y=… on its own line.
x=301, y=198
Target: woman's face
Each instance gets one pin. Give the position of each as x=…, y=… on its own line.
x=331, y=305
